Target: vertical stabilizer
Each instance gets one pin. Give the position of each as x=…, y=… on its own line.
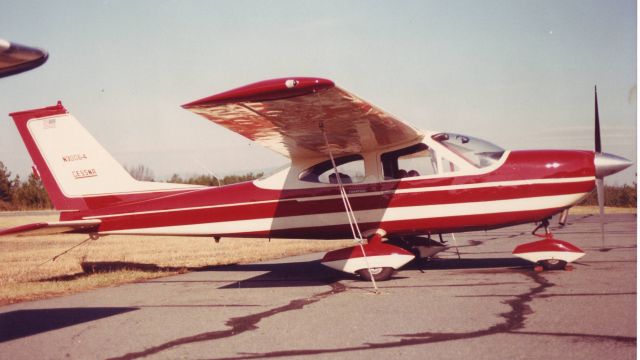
x=71, y=163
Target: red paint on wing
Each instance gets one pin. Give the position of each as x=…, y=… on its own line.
x=285, y=115
x=274, y=89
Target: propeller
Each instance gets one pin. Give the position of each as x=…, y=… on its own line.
x=598, y=150
x=605, y=164
x=562, y=220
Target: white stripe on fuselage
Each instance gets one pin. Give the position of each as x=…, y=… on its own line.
x=363, y=216
x=374, y=193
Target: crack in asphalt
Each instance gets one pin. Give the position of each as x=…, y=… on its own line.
x=622, y=339
x=238, y=325
x=545, y=296
x=383, y=287
x=514, y=320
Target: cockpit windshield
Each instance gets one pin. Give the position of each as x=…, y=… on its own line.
x=478, y=152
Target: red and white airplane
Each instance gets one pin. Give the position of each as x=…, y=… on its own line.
x=356, y=171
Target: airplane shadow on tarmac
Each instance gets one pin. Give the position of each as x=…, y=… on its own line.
x=452, y=264
x=313, y=273
x=22, y=323
x=293, y=274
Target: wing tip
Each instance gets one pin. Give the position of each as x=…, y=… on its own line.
x=51, y=228
x=22, y=228
x=17, y=58
x=274, y=89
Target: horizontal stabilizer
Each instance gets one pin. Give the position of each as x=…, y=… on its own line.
x=53, y=227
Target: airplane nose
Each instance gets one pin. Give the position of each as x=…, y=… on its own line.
x=607, y=164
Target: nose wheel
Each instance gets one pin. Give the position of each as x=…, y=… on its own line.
x=377, y=273
x=553, y=264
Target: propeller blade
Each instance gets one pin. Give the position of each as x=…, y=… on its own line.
x=599, y=179
x=600, y=190
x=597, y=126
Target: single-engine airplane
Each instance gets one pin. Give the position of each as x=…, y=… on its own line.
x=356, y=171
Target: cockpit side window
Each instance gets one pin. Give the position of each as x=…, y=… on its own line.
x=415, y=160
x=478, y=152
x=350, y=169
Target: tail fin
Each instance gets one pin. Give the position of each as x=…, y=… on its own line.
x=71, y=163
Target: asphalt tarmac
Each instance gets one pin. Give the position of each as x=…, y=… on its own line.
x=487, y=305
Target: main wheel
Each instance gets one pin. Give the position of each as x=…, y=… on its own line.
x=553, y=264
x=379, y=273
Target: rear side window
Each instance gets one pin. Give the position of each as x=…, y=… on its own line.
x=350, y=169
x=415, y=160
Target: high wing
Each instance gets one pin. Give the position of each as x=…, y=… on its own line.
x=53, y=227
x=16, y=58
x=288, y=116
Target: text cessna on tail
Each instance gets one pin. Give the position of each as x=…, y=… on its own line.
x=356, y=171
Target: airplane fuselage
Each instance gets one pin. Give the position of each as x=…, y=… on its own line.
x=525, y=186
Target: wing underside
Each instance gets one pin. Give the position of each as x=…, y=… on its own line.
x=290, y=115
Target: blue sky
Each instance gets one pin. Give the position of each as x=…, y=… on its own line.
x=517, y=73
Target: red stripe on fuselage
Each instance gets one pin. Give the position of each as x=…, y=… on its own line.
x=296, y=208
x=411, y=227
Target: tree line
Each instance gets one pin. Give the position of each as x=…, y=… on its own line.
x=18, y=194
